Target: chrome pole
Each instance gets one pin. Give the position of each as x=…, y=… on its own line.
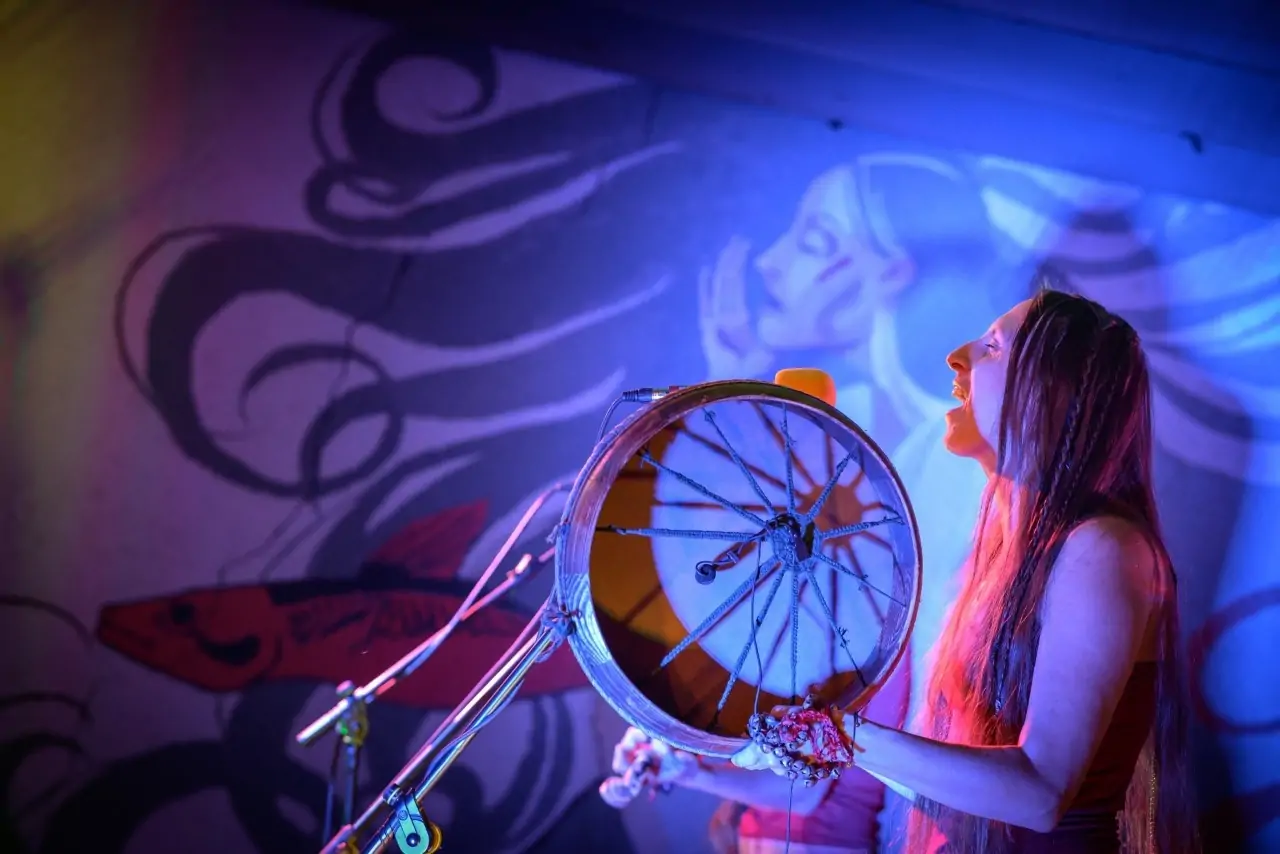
x=404, y=824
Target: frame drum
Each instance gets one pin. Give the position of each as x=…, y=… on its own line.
x=731, y=547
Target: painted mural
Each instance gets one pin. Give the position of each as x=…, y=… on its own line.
x=340, y=313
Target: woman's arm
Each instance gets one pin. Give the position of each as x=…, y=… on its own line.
x=762, y=791
x=897, y=788
x=641, y=762
x=769, y=792
x=1099, y=601
x=999, y=783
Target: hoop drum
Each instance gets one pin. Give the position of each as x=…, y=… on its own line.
x=732, y=547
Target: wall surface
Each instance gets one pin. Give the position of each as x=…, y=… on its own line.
x=1175, y=96
x=299, y=311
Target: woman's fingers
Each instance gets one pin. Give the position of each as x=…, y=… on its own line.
x=634, y=737
x=621, y=758
x=753, y=759
x=616, y=793
x=625, y=750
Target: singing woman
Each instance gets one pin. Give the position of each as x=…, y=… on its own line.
x=1054, y=720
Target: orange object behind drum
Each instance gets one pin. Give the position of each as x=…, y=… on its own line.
x=811, y=381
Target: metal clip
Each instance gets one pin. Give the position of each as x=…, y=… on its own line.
x=414, y=833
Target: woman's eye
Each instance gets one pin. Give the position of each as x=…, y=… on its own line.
x=816, y=240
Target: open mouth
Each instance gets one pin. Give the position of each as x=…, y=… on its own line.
x=960, y=394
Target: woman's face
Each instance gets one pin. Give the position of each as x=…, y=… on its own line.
x=823, y=279
x=982, y=370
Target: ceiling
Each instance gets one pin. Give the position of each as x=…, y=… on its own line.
x=1174, y=95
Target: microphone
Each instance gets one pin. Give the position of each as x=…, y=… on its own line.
x=649, y=395
x=529, y=562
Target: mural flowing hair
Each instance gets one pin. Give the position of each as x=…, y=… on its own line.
x=1077, y=409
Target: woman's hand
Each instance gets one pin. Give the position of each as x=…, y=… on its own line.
x=729, y=340
x=756, y=757
x=801, y=742
x=639, y=763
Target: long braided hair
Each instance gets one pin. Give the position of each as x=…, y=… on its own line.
x=1075, y=430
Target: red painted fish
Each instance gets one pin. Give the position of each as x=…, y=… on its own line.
x=226, y=639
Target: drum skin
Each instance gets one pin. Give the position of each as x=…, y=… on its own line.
x=836, y=624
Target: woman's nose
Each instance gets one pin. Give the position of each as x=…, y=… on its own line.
x=958, y=359
x=770, y=274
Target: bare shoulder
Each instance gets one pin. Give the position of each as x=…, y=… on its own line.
x=1110, y=554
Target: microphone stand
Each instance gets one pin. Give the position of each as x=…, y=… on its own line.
x=403, y=824
x=352, y=726
x=349, y=717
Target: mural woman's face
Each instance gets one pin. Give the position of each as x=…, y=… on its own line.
x=823, y=279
